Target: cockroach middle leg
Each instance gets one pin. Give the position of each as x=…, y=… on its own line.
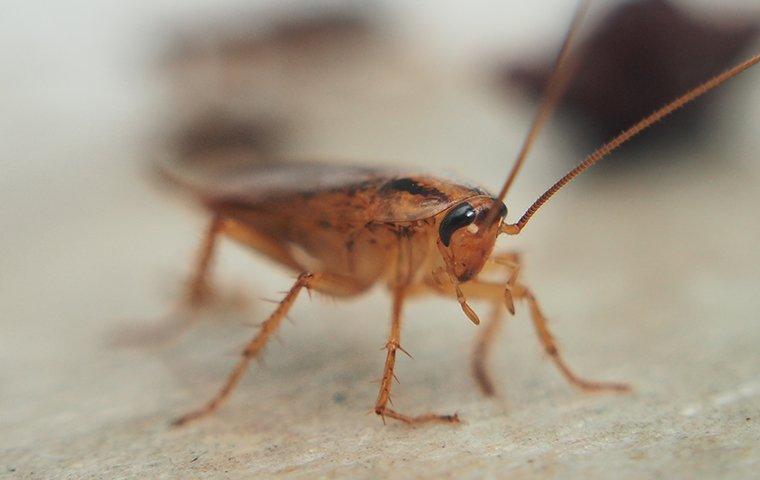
x=318, y=281
x=486, y=337
x=393, y=346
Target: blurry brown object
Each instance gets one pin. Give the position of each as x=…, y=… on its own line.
x=219, y=137
x=242, y=87
x=641, y=55
x=331, y=29
x=254, y=39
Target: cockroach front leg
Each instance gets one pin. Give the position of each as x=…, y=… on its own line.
x=519, y=291
x=500, y=296
x=393, y=346
x=547, y=340
x=516, y=291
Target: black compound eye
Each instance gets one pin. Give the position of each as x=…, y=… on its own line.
x=459, y=216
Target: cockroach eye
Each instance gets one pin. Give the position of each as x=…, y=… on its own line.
x=459, y=216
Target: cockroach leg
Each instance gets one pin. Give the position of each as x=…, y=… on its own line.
x=199, y=290
x=510, y=261
x=394, y=345
x=547, y=340
x=461, y=297
x=319, y=281
x=489, y=333
x=486, y=290
x=493, y=291
x=486, y=337
x=258, y=342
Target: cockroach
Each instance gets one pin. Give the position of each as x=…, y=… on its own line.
x=344, y=229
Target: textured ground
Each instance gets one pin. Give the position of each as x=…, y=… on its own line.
x=650, y=278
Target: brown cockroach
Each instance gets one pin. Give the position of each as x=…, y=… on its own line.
x=344, y=229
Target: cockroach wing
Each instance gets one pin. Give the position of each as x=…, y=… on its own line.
x=257, y=182
x=389, y=195
x=406, y=198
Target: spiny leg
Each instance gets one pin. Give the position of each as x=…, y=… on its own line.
x=393, y=345
x=258, y=342
x=547, y=340
x=305, y=280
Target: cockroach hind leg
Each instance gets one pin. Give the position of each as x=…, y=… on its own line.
x=200, y=293
x=251, y=351
x=259, y=341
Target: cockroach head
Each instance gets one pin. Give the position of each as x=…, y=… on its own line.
x=467, y=233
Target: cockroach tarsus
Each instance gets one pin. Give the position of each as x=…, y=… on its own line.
x=345, y=229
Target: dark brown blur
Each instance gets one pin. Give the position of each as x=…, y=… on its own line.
x=638, y=56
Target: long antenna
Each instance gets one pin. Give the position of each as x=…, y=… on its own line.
x=555, y=88
x=616, y=142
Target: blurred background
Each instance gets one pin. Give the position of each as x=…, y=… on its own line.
x=649, y=264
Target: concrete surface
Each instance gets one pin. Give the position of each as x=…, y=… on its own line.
x=651, y=278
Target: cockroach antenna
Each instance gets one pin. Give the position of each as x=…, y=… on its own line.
x=612, y=145
x=560, y=78
x=564, y=66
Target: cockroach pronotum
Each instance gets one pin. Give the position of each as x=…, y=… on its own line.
x=345, y=229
